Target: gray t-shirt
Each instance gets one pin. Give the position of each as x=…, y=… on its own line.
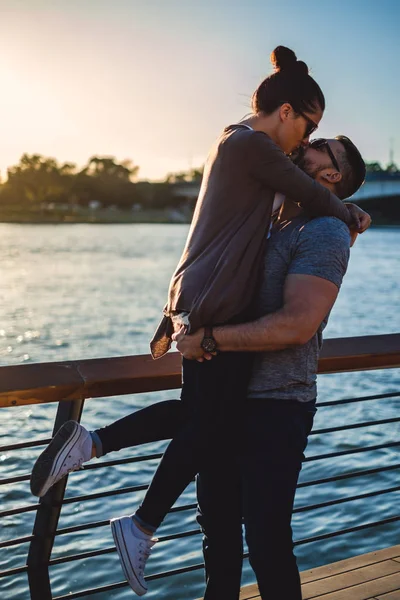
x=319, y=247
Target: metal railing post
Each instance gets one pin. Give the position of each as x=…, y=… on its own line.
x=47, y=516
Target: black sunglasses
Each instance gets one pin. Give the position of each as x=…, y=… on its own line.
x=310, y=127
x=323, y=143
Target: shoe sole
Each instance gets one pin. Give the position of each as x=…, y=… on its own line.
x=123, y=554
x=49, y=463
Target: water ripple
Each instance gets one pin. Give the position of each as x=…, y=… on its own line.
x=92, y=291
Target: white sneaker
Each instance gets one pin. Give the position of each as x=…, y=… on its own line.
x=133, y=552
x=70, y=447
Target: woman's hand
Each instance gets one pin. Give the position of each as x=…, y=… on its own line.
x=353, y=237
x=190, y=345
x=361, y=219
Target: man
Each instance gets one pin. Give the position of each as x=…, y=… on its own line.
x=305, y=262
x=338, y=165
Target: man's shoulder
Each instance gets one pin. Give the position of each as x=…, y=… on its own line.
x=320, y=247
x=325, y=230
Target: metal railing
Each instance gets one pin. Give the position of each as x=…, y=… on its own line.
x=70, y=383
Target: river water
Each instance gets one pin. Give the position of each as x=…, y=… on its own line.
x=85, y=291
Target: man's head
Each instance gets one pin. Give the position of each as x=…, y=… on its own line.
x=336, y=163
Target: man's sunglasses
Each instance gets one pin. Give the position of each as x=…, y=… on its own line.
x=310, y=127
x=320, y=143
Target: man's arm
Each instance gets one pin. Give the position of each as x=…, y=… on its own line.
x=307, y=301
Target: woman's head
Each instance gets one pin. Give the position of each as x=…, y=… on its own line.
x=292, y=96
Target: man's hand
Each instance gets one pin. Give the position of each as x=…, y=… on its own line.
x=190, y=345
x=361, y=219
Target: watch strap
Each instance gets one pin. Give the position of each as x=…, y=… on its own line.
x=208, y=343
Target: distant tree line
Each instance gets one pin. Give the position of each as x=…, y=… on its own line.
x=39, y=180
x=376, y=167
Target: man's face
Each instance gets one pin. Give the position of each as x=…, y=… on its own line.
x=317, y=163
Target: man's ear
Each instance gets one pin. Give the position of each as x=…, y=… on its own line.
x=331, y=176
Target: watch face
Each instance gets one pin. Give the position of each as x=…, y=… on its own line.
x=208, y=344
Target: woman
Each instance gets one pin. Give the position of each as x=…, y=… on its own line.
x=214, y=283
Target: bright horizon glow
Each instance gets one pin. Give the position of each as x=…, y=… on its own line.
x=156, y=81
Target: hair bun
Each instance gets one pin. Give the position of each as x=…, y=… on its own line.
x=284, y=59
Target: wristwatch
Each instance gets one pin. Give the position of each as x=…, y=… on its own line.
x=208, y=342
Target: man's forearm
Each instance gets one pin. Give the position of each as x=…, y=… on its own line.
x=307, y=301
x=275, y=331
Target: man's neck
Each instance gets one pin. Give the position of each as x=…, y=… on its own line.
x=290, y=210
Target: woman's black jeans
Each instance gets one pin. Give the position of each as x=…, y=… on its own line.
x=211, y=407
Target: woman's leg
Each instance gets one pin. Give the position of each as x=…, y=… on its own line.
x=213, y=393
x=73, y=445
x=159, y=421
x=219, y=515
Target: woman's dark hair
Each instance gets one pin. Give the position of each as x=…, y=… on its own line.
x=290, y=83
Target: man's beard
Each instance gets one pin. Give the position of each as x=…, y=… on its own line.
x=299, y=158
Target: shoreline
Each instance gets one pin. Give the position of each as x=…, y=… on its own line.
x=100, y=217
x=154, y=220
x=385, y=212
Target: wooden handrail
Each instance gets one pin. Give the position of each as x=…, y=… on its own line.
x=100, y=377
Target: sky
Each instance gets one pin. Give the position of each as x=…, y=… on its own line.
x=155, y=81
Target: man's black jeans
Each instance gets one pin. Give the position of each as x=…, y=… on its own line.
x=260, y=487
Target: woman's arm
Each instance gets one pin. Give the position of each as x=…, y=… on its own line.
x=269, y=165
x=361, y=218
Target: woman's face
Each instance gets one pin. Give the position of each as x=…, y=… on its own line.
x=297, y=127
